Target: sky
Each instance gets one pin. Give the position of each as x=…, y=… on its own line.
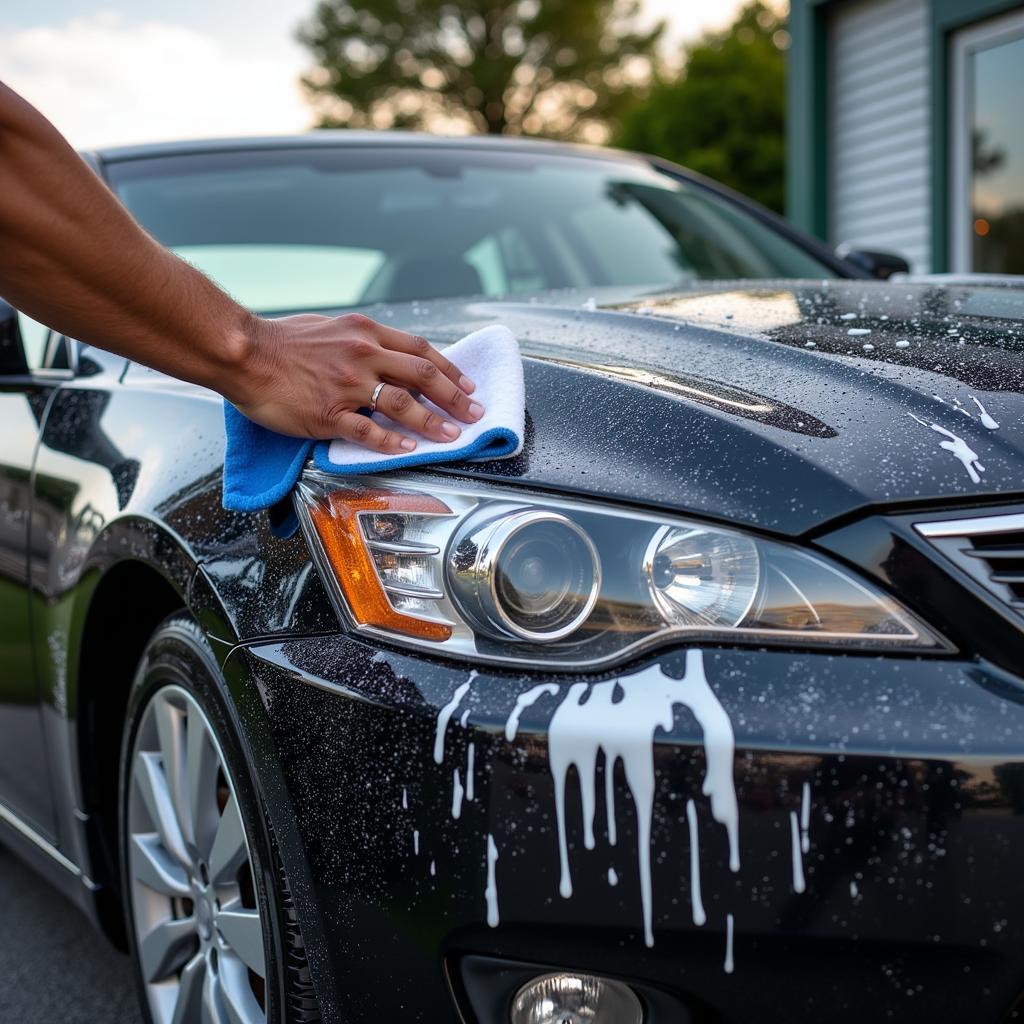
x=124, y=71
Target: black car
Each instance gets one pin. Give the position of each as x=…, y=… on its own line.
x=708, y=706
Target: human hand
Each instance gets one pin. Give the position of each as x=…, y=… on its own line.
x=307, y=376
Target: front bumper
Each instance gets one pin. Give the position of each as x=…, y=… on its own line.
x=913, y=900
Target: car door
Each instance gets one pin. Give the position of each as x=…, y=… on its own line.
x=25, y=390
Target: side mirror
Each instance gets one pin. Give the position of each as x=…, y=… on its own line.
x=12, y=347
x=876, y=262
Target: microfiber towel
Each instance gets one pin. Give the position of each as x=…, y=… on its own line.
x=261, y=466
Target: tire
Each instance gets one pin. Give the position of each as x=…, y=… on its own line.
x=210, y=920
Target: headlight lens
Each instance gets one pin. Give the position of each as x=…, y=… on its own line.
x=531, y=574
x=702, y=577
x=476, y=571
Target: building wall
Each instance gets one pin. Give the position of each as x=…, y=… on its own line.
x=879, y=105
x=868, y=121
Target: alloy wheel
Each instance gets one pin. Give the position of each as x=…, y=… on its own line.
x=198, y=932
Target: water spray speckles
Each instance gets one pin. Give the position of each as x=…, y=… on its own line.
x=416, y=841
x=805, y=819
x=986, y=420
x=523, y=701
x=457, y=793
x=728, y=966
x=696, y=902
x=445, y=714
x=405, y=799
x=798, y=862
x=957, y=447
x=433, y=868
x=621, y=717
x=491, y=892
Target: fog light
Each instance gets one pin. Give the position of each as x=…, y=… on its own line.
x=575, y=999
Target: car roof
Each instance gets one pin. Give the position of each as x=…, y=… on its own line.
x=350, y=137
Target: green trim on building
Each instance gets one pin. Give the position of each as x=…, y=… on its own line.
x=807, y=172
x=807, y=118
x=946, y=17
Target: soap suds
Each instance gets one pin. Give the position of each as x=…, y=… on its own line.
x=798, y=862
x=491, y=892
x=805, y=819
x=958, y=448
x=986, y=420
x=613, y=877
x=456, y=795
x=696, y=901
x=523, y=701
x=444, y=717
x=624, y=730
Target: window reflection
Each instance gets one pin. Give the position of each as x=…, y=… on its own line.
x=997, y=158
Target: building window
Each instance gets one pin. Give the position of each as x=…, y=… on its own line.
x=987, y=137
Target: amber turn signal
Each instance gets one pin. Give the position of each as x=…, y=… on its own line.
x=335, y=518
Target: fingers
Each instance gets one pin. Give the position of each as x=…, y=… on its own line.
x=422, y=375
x=397, y=404
x=361, y=430
x=414, y=345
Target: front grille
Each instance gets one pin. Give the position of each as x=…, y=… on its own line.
x=990, y=549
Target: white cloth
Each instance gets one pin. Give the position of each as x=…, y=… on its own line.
x=490, y=358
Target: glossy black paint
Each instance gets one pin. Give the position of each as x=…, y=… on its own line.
x=916, y=786
x=708, y=403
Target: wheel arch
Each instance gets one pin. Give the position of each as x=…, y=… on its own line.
x=114, y=634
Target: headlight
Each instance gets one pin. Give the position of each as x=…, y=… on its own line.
x=530, y=574
x=486, y=573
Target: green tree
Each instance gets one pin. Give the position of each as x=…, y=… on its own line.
x=551, y=67
x=724, y=114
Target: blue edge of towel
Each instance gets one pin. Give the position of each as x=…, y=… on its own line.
x=261, y=467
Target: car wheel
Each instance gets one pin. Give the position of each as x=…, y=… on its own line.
x=210, y=923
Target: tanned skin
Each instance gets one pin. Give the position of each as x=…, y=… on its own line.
x=73, y=258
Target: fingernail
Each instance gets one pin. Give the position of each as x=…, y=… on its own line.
x=476, y=410
x=450, y=430
x=467, y=385
x=408, y=444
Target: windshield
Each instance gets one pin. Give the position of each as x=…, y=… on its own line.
x=326, y=227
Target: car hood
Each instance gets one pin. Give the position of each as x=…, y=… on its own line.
x=782, y=405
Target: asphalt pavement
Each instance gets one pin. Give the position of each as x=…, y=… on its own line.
x=55, y=968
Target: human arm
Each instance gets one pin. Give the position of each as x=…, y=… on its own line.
x=73, y=258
